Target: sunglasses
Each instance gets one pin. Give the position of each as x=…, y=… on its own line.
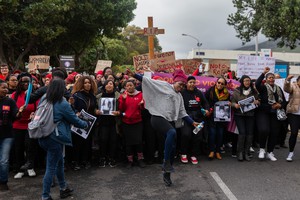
x=221, y=83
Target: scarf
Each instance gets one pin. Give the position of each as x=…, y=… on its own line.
x=246, y=92
x=271, y=91
x=222, y=95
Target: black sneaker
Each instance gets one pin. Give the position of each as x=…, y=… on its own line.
x=66, y=193
x=26, y=166
x=112, y=163
x=87, y=165
x=141, y=163
x=76, y=167
x=167, y=178
x=49, y=198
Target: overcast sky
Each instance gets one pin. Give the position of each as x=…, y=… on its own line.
x=203, y=19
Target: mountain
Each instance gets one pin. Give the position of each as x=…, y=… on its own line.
x=270, y=45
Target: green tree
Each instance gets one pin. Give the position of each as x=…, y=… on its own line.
x=276, y=19
x=56, y=27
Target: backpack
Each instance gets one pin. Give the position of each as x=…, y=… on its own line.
x=42, y=123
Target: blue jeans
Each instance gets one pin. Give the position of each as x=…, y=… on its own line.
x=54, y=166
x=5, y=146
x=216, y=138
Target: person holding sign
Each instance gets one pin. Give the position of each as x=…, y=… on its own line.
x=217, y=93
x=165, y=103
x=245, y=121
x=293, y=110
x=268, y=126
x=84, y=92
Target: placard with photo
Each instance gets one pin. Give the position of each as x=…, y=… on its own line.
x=222, y=111
x=107, y=105
x=90, y=119
x=247, y=104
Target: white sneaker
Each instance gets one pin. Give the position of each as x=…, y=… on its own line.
x=251, y=150
x=261, y=154
x=184, y=159
x=31, y=172
x=290, y=157
x=19, y=175
x=271, y=156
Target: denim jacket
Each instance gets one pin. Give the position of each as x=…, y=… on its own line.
x=65, y=116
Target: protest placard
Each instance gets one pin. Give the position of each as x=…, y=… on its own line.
x=247, y=104
x=90, y=119
x=107, y=105
x=162, y=62
x=218, y=67
x=67, y=61
x=101, y=64
x=253, y=66
x=222, y=111
x=39, y=62
x=188, y=65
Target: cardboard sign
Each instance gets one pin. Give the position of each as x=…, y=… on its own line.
x=253, y=66
x=39, y=62
x=67, y=62
x=161, y=62
x=218, y=67
x=188, y=65
x=101, y=64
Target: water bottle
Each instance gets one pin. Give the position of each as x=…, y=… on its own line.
x=198, y=128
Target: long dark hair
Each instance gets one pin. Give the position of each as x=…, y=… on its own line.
x=56, y=90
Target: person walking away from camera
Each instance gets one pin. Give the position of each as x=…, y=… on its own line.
x=165, y=103
x=9, y=112
x=268, y=126
x=53, y=145
x=131, y=104
x=194, y=101
x=245, y=121
x=293, y=112
x=218, y=92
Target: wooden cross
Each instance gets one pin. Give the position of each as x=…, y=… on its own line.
x=150, y=31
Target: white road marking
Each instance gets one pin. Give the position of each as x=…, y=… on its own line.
x=223, y=186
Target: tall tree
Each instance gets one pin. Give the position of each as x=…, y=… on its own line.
x=276, y=19
x=56, y=27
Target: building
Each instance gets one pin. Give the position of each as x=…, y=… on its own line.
x=293, y=59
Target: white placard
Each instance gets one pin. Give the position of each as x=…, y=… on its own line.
x=253, y=66
x=90, y=119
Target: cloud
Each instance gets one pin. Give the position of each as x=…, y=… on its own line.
x=205, y=20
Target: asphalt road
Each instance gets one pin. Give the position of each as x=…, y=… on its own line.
x=225, y=179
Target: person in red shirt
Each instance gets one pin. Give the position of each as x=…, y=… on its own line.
x=4, y=71
x=131, y=104
x=20, y=132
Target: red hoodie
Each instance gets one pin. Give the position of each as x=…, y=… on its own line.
x=131, y=107
x=22, y=123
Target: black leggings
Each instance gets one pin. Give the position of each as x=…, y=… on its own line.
x=295, y=126
x=268, y=127
x=108, y=141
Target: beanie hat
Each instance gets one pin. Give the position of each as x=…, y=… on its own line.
x=179, y=75
x=23, y=74
x=70, y=79
x=191, y=78
x=99, y=72
x=35, y=78
x=49, y=76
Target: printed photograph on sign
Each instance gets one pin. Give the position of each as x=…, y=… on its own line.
x=247, y=104
x=222, y=111
x=84, y=132
x=107, y=105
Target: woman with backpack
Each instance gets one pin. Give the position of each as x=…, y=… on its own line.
x=64, y=116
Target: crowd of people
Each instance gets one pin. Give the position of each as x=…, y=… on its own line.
x=140, y=121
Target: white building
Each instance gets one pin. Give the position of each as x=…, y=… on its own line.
x=292, y=58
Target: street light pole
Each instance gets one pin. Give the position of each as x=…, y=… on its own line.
x=198, y=43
